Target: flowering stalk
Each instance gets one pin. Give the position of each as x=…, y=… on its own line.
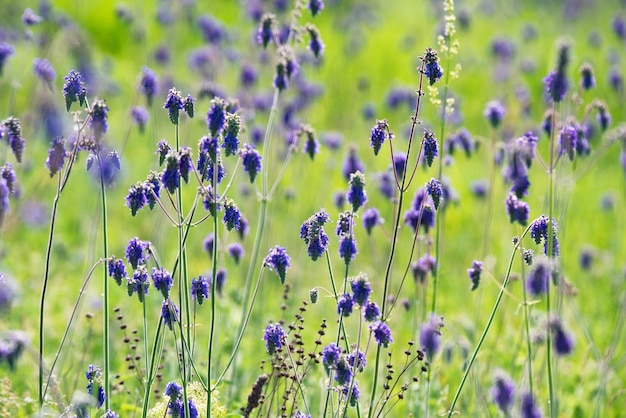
x=62, y=181
x=182, y=284
x=550, y=254
x=489, y=322
x=401, y=190
x=105, y=248
x=447, y=45
x=213, y=290
x=260, y=227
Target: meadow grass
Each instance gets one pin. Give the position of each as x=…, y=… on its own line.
x=502, y=330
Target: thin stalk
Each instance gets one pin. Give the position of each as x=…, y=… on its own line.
x=105, y=248
x=439, y=214
x=69, y=324
x=42, y=301
x=529, y=347
x=213, y=295
x=488, y=326
x=150, y=373
x=551, y=255
x=145, y=339
x=260, y=227
x=340, y=328
x=240, y=336
x=396, y=229
x=182, y=279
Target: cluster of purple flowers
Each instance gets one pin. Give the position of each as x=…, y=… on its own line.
x=347, y=240
x=587, y=80
x=251, y=160
x=6, y=50
x=174, y=103
x=421, y=212
x=44, y=71
x=312, y=232
x=200, y=289
x=356, y=195
x=274, y=337
x=562, y=340
x=430, y=335
x=278, y=260
x=518, y=210
x=461, y=139
x=380, y=132
x=474, y=273
x=176, y=405
x=94, y=375
x=503, y=391
x=421, y=267
x=371, y=217
x=382, y=333
x=520, y=156
x=556, y=82
x=537, y=281
x=286, y=68
x=149, y=84
x=74, y=89
x=162, y=280
x=430, y=147
x=267, y=29
x=432, y=70
x=539, y=232
x=8, y=185
x=315, y=44
x=117, y=270
x=11, y=129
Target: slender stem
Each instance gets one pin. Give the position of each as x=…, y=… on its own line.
x=551, y=255
x=145, y=340
x=42, y=301
x=150, y=373
x=69, y=324
x=529, y=347
x=181, y=273
x=260, y=227
x=240, y=336
x=213, y=294
x=105, y=249
x=488, y=326
x=396, y=229
x=439, y=214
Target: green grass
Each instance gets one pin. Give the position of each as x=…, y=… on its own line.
x=381, y=49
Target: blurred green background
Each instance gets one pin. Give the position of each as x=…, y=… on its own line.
x=371, y=48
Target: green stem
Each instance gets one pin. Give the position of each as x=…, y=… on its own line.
x=145, y=340
x=213, y=294
x=105, y=248
x=488, y=326
x=550, y=254
x=260, y=228
x=42, y=301
x=150, y=373
x=69, y=324
x=529, y=347
x=240, y=336
x=182, y=279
